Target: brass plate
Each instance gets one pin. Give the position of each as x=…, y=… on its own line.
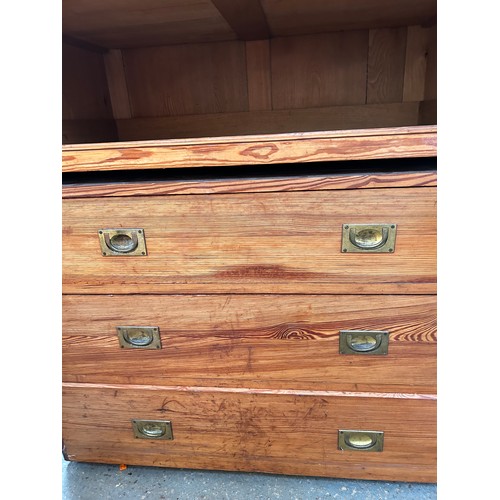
x=369, y=238
x=359, y=440
x=122, y=242
x=363, y=342
x=152, y=429
x=139, y=337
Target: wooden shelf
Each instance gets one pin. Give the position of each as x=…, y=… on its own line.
x=366, y=144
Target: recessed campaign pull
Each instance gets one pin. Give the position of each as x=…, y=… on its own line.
x=122, y=242
x=369, y=238
x=152, y=429
x=359, y=440
x=139, y=337
x=363, y=342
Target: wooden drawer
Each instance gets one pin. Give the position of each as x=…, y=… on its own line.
x=268, y=431
x=283, y=242
x=256, y=341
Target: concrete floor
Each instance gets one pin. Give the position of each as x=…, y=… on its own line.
x=98, y=481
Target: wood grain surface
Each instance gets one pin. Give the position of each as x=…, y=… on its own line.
x=404, y=142
x=260, y=185
x=85, y=93
x=187, y=79
x=258, y=60
x=257, y=243
x=248, y=431
x=431, y=68
x=257, y=341
x=386, y=65
x=117, y=84
x=418, y=46
x=319, y=70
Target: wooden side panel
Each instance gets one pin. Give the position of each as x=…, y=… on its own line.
x=244, y=431
x=386, y=65
x=257, y=243
x=256, y=341
x=258, y=75
x=85, y=92
x=187, y=79
x=319, y=70
x=86, y=109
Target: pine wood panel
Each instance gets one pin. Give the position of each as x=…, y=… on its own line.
x=248, y=431
x=293, y=17
x=117, y=84
x=418, y=46
x=404, y=142
x=258, y=243
x=258, y=59
x=85, y=92
x=260, y=185
x=319, y=70
x=187, y=79
x=386, y=65
x=118, y=24
x=262, y=341
x=431, y=68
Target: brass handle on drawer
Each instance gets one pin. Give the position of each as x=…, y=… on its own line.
x=363, y=342
x=122, y=242
x=152, y=429
x=358, y=440
x=377, y=238
x=139, y=337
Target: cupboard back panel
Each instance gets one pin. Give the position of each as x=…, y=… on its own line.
x=352, y=79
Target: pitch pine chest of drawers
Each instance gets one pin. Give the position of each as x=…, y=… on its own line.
x=249, y=238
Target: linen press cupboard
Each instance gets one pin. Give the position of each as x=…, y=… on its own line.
x=249, y=235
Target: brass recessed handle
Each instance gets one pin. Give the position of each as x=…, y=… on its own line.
x=363, y=342
x=125, y=242
x=377, y=238
x=139, y=337
x=369, y=237
x=152, y=429
x=121, y=243
x=359, y=440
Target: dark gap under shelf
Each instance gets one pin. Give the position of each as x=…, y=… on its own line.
x=253, y=171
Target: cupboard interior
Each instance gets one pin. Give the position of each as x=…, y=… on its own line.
x=164, y=69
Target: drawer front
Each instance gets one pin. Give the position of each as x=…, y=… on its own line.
x=245, y=431
x=254, y=242
x=253, y=341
